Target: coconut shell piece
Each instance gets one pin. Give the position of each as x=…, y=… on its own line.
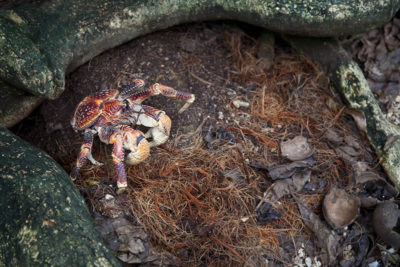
x=386, y=216
x=297, y=148
x=340, y=208
x=371, y=185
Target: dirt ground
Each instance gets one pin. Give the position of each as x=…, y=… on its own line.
x=199, y=199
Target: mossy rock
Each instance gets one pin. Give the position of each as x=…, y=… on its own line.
x=44, y=221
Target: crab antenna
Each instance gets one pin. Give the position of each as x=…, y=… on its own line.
x=128, y=90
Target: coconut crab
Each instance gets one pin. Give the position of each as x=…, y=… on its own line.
x=110, y=113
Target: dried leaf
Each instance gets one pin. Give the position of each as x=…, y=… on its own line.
x=349, y=150
x=284, y=171
x=347, y=153
x=359, y=119
x=107, y=232
x=392, y=139
x=134, y=247
x=352, y=142
x=300, y=179
x=267, y=212
x=328, y=241
x=279, y=189
x=369, y=202
x=285, y=187
x=359, y=167
x=333, y=137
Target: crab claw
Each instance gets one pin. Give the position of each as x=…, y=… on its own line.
x=187, y=104
x=93, y=161
x=171, y=92
x=124, y=138
x=74, y=173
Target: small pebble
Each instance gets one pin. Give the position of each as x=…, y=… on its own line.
x=374, y=264
x=308, y=262
x=240, y=104
x=108, y=197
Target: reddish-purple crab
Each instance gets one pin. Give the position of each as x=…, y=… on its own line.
x=109, y=114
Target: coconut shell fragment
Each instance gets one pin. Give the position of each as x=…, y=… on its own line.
x=386, y=216
x=297, y=148
x=373, y=186
x=340, y=208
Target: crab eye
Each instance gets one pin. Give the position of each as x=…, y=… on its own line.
x=127, y=104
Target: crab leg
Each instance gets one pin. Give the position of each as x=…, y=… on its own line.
x=130, y=89
x=118, y=158
x=123, y=137
x=85, y=153
x=156, y=89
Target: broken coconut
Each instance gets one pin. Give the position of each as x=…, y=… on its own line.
x=296, y=148
x=340, y=208
x=386, y=216
x=373, y=187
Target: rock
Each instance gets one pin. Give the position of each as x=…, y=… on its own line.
x=239, y=103
x=44, y=219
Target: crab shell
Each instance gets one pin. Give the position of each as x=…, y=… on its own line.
x=90, y=108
